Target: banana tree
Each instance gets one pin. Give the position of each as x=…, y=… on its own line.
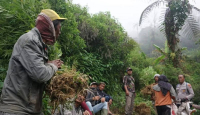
x=165, y=53
x=178, y=19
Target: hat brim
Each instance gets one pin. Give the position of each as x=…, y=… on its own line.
x=62, y=19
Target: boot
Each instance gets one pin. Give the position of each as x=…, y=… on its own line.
x=98, y=113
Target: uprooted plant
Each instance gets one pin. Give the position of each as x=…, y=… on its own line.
x=64, y=86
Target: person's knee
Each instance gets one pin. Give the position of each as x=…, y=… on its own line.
x=105, y=105
x=89, y=105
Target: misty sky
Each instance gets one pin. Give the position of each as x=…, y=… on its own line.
x=127, y=12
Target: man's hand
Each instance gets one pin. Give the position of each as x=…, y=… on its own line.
x=86, y=113
x=195, y=106
x=127, y=93
x=103, y=99
x=57, y=63
x=96, y=98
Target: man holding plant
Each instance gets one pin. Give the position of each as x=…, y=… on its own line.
x=29, y=68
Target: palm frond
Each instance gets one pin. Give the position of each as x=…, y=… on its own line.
x=195, y=8
x=161, y=21
x=149, y=9
x=191, y=28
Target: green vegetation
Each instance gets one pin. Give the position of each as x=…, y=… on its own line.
x=177, y=18
x=96, y=45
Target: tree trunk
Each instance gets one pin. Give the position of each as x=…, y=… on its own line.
x=171, y=38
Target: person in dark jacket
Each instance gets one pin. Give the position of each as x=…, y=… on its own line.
x=102, y=94
x=29, y=68
x=92, y=99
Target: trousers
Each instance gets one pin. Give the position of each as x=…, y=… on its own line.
x=129, y=103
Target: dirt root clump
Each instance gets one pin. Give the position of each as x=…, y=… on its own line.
x=148, y=90
x=64, y=86
x=143, y=109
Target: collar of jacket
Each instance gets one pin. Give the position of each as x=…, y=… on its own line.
x=184, y=83
x=40, y=38
x=45, y=47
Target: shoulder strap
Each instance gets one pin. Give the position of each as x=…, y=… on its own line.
x=187, y=88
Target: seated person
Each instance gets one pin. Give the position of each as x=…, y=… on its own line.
x=92, y=99
x=108, y=98
x=78, y=108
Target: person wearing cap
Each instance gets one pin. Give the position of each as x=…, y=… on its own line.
x=156, y=76
x=94, y=85
x=29, y=68
x=129, y=86
x=92, y=99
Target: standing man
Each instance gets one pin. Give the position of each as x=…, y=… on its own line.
x=184, y=93
x=156, y=76
x=29, y=67
x=129, y=87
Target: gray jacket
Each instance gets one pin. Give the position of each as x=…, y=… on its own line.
x=91, y=92
x=26, y=76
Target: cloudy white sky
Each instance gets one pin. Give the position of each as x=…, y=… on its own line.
x=126, y=11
